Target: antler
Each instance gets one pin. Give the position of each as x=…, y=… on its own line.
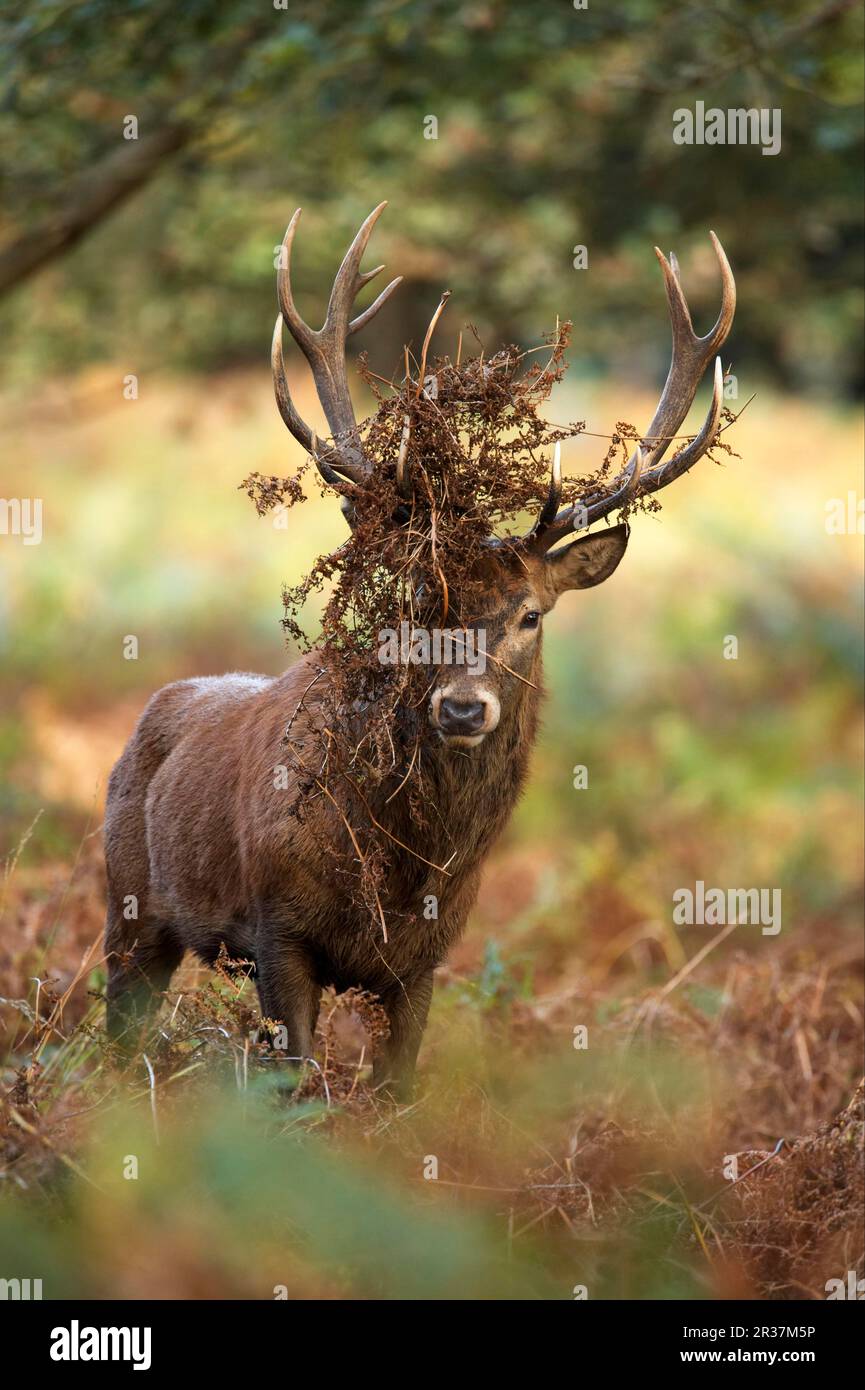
x=645, y=472
x=324, y=350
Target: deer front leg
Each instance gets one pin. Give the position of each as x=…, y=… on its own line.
x=289, y=993
x=407, y=1010
x=138, y=973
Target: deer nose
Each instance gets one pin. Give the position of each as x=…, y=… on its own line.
x=458, y=718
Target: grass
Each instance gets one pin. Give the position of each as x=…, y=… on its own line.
x=557, y=1167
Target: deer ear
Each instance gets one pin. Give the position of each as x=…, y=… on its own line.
x=588, y=561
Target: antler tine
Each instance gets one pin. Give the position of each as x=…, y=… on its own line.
x=618, y=499
x=588, y=510
x=664, y=473
x=645, y=472
x=550, y=508
x=363, y=319
x=298, y=427
x=302, y=334
x=324, y=349
x=690, y=353
x=349, y=280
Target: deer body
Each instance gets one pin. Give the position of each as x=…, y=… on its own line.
x=198, y=830
x=214, y=837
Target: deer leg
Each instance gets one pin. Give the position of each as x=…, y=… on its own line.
x=407, y=1011
x=136, y=979
x=289, y=994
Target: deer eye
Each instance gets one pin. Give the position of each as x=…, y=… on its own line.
x=530, y=620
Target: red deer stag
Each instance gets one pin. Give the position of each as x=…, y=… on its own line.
x=196, y=831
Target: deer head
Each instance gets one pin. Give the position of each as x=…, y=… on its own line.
x=520, y=578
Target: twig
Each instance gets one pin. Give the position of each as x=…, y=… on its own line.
x=150, y=1074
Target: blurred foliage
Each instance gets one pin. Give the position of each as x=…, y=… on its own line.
x=244, y=1194
x=526, y=1169
x=554, y=129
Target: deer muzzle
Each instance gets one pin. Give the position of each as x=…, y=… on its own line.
x=463, y=718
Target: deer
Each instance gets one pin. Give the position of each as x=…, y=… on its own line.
x=198, y=836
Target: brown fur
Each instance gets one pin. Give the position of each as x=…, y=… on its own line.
x=198, y=832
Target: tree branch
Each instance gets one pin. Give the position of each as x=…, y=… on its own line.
x=713, y=72
x=97, y=193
